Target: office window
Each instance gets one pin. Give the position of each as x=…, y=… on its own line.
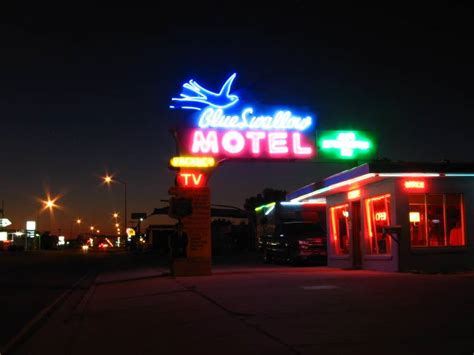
x=377, y=211
x=339, y=230
x=436, y=220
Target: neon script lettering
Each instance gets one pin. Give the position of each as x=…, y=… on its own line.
x=192, y=162
x=282, y=120
x=253, y=143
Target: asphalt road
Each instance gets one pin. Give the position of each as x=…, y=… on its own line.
x=29, y=282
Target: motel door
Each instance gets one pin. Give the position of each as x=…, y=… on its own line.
x=356, y=235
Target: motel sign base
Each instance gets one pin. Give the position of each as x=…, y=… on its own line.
x=197, y=226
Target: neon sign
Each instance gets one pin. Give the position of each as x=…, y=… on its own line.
x=250, y=143
x=281, y=120
x=381, y=216
x=191, y=179
x=223, y=130
x=351, y=195
x=345, y=144
x=202, y=97
x=192, y=162
x=414, y=184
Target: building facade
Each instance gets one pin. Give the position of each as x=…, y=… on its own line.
x=398, y=216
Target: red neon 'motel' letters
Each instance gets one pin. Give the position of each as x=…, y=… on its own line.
x=276, y=144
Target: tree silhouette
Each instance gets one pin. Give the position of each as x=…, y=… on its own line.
x=266, y=196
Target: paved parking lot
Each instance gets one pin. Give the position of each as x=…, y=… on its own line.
x=264, y=310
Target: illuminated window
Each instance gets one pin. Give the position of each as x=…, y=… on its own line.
x=436, y=220
x=340, y=229
x=377, y=211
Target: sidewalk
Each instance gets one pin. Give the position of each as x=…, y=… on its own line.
x=268, y=310
x=143, y=312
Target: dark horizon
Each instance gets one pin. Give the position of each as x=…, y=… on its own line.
x=87, y=92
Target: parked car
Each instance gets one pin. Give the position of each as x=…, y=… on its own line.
x=296, y=242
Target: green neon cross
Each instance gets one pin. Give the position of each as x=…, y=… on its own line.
x=346, y=143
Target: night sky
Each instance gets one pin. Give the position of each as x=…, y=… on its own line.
x=85, y=91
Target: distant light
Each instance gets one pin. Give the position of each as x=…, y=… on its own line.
x=19, y=234
x=85, y=247
x=141, y=219
x=107, y=179
x=78, y=221
x=30, y=225
x=116, y=225
x=115, y=215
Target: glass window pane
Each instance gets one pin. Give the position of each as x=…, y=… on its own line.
x=454, y=228
x=378, y=216
x=340, y=229
x=416, y=199
x=417, y=214
x=444, y=220
x=434, y=207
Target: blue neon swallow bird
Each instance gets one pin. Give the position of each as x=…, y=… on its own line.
x=195, y=97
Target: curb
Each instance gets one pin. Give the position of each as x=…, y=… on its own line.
x=34, y=323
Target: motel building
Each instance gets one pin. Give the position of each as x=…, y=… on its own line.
x=394, y=216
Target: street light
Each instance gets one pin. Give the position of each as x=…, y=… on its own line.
x=109, y=180
x=78, y=222
x=48, y=204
